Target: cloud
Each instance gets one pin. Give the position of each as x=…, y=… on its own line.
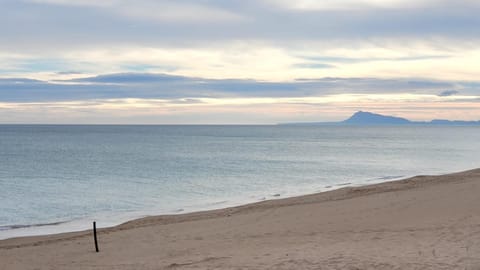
x=154, y=10
x=314, y=65
x=69, y=72
x=313, y=5
x=339, y=59
x=448, y=93
x=253, y=60
x=262, y=40
x=183, y=52
x=79, y=24
x=131, y=78
x=182, y=88
x=94, y=3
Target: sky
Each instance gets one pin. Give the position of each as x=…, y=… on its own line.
x=237, y=61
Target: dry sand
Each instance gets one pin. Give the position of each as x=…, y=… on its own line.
x=426, y=222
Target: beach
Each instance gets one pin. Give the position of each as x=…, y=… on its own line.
x=424, y=222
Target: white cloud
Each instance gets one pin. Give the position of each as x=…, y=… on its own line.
x=267, y=62
x=312, y=5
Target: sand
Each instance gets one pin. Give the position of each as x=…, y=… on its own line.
x=425, y=222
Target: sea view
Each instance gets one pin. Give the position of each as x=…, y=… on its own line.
x=69, y=175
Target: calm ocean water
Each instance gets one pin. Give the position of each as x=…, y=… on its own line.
x=75, y=174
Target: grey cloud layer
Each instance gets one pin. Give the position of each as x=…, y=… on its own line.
x=161, y=86
x=49, y=25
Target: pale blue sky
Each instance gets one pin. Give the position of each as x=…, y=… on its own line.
x=253, y=62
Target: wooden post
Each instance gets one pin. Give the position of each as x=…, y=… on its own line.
x=95, y=235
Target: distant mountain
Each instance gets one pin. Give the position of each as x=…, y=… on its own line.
x=368, y=118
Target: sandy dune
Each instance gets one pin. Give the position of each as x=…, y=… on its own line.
x=426, y=222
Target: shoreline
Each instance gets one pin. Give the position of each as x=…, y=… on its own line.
x=432, y=221
x=274, y=201
x=78, y=224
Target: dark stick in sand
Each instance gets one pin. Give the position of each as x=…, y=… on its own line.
x=95, y=235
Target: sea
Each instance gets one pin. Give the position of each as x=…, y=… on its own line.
x=60, y=178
